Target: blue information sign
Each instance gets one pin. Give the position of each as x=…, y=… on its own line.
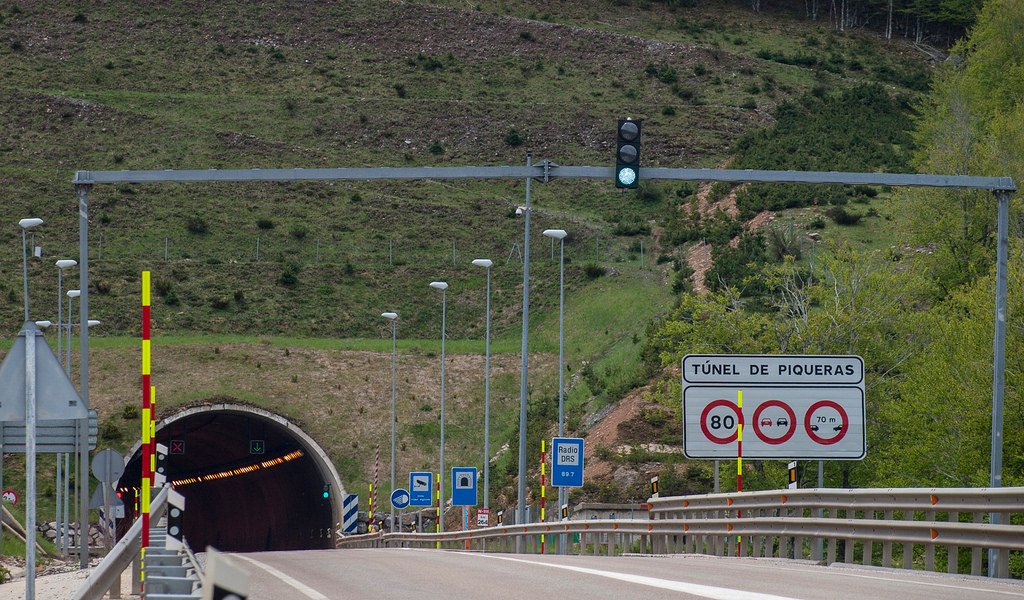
x=421, y=488
x=400, y=498
x=464, y=486
x=567, y=462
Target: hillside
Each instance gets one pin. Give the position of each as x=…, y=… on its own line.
x=197, y=85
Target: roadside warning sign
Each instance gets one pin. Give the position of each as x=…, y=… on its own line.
x=799, y=407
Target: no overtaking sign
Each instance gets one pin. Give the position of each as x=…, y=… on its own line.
x=806, y=407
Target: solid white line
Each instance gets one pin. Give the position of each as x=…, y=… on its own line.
x=305, y=589
x=896, y=578
x=706, y=591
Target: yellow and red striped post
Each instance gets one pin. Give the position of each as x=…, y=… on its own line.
x=739, y=458
x=147, y=429
x=543, y=494
x=437, y=500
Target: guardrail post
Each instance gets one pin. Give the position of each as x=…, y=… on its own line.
x=833, y=543
x=953, y=552
x=908, y=547
x=929, y=549
x=137, y=574
x=867, y=550
x=976, y=552
x=1003, y=555
x=115, y=588
x=887, y=546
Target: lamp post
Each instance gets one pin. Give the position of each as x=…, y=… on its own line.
x=25, y=225
x=521, y=500
x=559, y=234
x=440, y=285
x=30, y=421
x=72, y=294
x=393, y=317
x=61, y=265
x=486, y=264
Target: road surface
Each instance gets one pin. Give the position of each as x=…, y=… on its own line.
x=404, y=574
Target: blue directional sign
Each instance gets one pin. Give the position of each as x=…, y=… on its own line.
x=400, y=498
x=421, y=487
x=464, y=486
x=567, y=462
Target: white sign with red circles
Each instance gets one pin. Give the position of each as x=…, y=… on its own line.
x=788, y=412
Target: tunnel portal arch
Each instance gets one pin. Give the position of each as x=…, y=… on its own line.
x=253, y=480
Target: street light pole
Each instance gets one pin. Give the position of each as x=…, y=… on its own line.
x=393, y=317
x=559, y=234
x=486, y=264
x=25, y=225
x=440, y=285
x=521, y=502
x=30, y=332
x=61, y=516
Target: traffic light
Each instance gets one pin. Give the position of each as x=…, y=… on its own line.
x=627, y=154
x=327, y=491
x=160, y=466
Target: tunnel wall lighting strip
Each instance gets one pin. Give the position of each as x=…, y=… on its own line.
x=266, y=464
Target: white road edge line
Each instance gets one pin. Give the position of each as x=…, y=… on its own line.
x=705, y=591
x=305, y=589
x=896, y=579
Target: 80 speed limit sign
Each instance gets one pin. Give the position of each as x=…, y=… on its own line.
x=788, y=412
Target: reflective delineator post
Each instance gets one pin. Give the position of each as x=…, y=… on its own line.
x=739, y=460
x=147, y=426
x=543, y=494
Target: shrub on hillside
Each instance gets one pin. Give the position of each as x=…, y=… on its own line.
x=196, y=225
x=513, y=138
x=841, y=216
x=593, y=271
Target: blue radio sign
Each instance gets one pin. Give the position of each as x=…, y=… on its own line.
x=567, y=462
x=421, y=486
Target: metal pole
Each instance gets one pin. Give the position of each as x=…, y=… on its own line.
x=453, y=253
x=60, y=312
x=390, y=263
x=257, y=249
x=59, y=503
x=819, y=513
x=30, y=459
x=24, y=266
x=716, y=477
x=561, y=370
x=641, y=255
x=521, y=501
x=487, y=397
x=165, y=249
x=999, y=362
x=318, y=260
x=394, y=358
x=83, y=360
x=67, y=513
x=440, y=477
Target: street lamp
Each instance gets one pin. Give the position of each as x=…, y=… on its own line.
x=393, y=317
x=521, y=500
x=440, y=285
x=559, y=234
x=25, y=225
x=486, y=264
x=61, y=265
x=72, y=294
x=43, y=324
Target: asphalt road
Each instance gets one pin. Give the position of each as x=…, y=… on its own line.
x=428, y=574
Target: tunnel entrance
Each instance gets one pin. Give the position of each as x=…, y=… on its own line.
x=252, y=480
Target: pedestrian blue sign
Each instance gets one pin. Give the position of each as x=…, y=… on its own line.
x=421, y=486
x=400, y=498
x=567, y=462
x=463, y=486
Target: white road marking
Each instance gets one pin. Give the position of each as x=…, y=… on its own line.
x=705, y=591
x=897, y=579
x=305, y=589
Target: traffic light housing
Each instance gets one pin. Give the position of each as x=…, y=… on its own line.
x=327, y=491
x=627, y=154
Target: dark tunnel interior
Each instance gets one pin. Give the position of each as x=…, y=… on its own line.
x=249, y=484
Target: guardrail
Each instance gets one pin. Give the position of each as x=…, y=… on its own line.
x=922, y=528
x=120, y=557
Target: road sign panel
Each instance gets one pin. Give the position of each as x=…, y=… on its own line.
x=107, y=465
x=567, y=462
x=10, y=496
x=421, y=487
x=483, y=517
x=400, y=498
x=177, y=446
x=463, y=486
x=56, y=397
x=796, y=406
x=788, y=423
x=350, y=514
x=257, y=447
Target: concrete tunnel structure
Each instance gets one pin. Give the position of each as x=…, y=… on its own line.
x=238, y=499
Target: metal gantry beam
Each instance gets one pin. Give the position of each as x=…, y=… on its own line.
x=546, y=171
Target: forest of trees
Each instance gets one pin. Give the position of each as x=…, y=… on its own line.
x=921, y=315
